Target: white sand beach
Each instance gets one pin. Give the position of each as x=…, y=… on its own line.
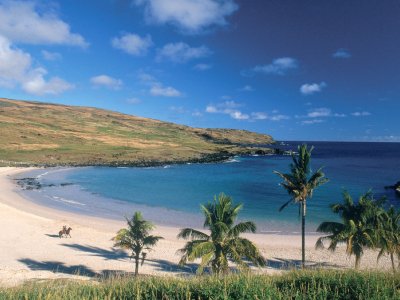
x=31, y=248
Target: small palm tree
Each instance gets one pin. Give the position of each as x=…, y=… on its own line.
x=300, y=184
x=358, y=228
x=224, y=242
x=388, y=235
x=136, y=238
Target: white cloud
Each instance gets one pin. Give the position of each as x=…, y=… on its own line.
x=106, y=81
x=181, y=52
x=16, y=69
x=134, y=100
x=158, y=90
x=230, y=104
x=264, y=116
x=37, y=85
x=146, y=78
x=212, y=109
x=133, y=44
x=385, y=138
x=51, y=55
x=279, y=66
x=231, y=108
x=228, y=108
x=278, y=117
x=21, y=22
x=341, y=53
x=190, y=16
x=178, y=109
x=202, y=67
x=310, y=122
x=247, y=88
x=259, y=116
x=361, y=114
x=197, y=114
x=14, y=63
x=238, y=115
x=319, y=112
x=312, y=88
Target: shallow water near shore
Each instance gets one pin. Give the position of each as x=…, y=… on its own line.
x=171, y=195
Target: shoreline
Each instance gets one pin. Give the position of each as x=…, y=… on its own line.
x=32, y=249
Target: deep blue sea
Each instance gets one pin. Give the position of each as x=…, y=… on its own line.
x=171, y=195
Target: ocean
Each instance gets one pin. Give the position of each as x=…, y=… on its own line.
x=172, y=194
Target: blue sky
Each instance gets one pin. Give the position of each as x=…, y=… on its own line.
x=298, y=70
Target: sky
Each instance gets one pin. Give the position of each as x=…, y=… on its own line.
x=295, y=69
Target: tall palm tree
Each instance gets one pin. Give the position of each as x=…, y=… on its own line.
x=388, y=235
x=224, y=242
x=136, y=238
x=358, y=228
x=300, y=184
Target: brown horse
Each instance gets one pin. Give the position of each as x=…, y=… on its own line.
x=68, y=232
x=65, y=231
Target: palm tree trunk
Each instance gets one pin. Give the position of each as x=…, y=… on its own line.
x=303, y=233
x=392, y=259
x=136, y=265
x=217, y=261
x=358, y=259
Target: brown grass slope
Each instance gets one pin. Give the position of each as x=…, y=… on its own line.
x=37, y=133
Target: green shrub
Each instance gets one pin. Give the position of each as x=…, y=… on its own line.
x=292, y=285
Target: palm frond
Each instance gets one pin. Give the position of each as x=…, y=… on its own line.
x=205, y=261
x=190, y=233
x=200, y=249
x=330, y=227
x=320, y=242
x=286, y=204
x=243, y=227
x=151, y=240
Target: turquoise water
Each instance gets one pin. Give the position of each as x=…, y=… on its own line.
x=173, y=194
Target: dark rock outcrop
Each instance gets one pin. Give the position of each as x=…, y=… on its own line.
x=395, y=187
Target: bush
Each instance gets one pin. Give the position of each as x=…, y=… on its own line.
x=292, y=285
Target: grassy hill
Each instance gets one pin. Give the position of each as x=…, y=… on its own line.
x=35, y=133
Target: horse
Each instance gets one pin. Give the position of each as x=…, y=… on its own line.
x=68, y=232
x=65, y=231
x=62, y=231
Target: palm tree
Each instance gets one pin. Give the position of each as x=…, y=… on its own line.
x=224, y=242
x=358, y=228
x=388, y=235
x=300, y=184
x=136, y=238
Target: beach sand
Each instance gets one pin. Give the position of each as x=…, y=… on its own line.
x=31, y=248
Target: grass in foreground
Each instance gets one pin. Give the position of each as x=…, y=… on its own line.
x=293, y=285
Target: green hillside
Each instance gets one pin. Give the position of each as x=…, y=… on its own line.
x=34, y=133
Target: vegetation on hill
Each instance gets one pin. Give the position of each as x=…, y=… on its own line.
x=35, y=133
x=292, y=285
